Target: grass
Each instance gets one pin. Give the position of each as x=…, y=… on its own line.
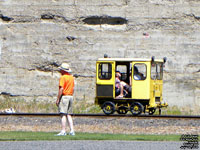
x=35, y=136
x=174, y=110
x=81, y=106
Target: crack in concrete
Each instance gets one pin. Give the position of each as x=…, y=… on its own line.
x=49, y=16
x=6, y=18
x=97, y=20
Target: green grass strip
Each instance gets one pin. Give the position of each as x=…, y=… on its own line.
x=39, y=136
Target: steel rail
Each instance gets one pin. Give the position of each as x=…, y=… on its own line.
x=101, y=115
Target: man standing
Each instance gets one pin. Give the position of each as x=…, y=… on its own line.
x=65, y=98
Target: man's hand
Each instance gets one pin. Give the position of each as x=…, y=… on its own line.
x=57, y=102
x=60, y=91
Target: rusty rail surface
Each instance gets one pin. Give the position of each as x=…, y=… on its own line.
x=102, y=115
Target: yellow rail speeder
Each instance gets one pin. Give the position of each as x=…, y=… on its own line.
x=144, y=78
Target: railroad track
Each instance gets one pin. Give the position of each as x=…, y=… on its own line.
x=101, y=115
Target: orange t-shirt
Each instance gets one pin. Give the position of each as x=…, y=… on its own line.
x=67, y=83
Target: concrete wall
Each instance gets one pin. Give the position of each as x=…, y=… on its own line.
x=36, y=36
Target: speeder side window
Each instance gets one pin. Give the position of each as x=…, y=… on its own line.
x=157, y=71
x=105, y=71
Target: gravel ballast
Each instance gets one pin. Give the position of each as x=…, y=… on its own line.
x=103, y=125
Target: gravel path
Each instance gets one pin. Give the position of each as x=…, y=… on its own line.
x=89, y=145
x=103, y=125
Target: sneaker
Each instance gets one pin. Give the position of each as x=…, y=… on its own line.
x=71, y=133
x=62, y=133
x=120, y=96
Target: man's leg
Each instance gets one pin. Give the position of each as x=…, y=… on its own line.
x=122, y=89
x=121, y=92
x=63, y=122
x=70, y=122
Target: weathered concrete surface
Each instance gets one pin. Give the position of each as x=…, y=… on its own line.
x=36, y=36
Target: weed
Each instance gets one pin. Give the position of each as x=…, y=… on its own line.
x=34, y=106
x=84, y=107
x=175, y=110
x=21, y=105
x=80, y=106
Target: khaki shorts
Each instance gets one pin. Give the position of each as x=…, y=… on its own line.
x=65, y=106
